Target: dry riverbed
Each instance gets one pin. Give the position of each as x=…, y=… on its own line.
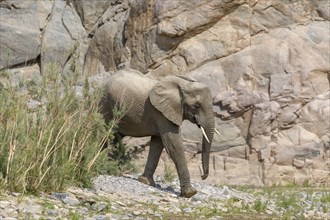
x=125, y=198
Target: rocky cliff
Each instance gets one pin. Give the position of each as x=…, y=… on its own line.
x=267, y=63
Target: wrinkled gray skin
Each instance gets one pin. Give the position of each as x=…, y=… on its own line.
x=157, y=109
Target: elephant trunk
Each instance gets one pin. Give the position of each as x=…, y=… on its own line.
x=208, y=132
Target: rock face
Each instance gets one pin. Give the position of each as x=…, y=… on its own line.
x=267, y=63
x=19, y=31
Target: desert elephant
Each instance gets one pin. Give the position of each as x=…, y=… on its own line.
x=157, y=109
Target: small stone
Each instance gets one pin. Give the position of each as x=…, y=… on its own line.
x=35, y=216
x=298, y=163
x=187, y=210
x=65, y=198
x=174, y=209
x=101, y=217
x=32, y=104
x=120, y=203
x=136, y=213
x=16, y=194
x=71, y=201
x=310, y=213
x=58, y=196
x=158, y=215
x=226, y=190
x=52, y=212
x=150, y=212
x=87, y=204
x=83, y=211
x=31, y=208
x=269, y=212
x=99, y=206
x=174, y=195
x=64, y=211
x=3, y=204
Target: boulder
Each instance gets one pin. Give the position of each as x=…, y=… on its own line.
x=260, y=122
x=19, y=33
x=21, y=74
x=296, y=141
x=44, y=10
x=106, y=50
x=315, y=115
x=91, y=11
x=322, y=8
x=274, y=14
x=224, y=36
x=57, y=44
x=72, y=23
x=61, y=37
x=288, y=116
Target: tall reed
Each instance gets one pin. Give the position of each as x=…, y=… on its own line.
x=55, y=144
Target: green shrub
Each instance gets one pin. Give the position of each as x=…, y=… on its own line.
x=53, y=145
x=325, y=201
x=169, y=173
x=325, y=198
x=289, y=203
x=259, y=206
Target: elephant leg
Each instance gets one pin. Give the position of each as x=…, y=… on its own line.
x=156, y=148
x=104, y=145
x=174, y=147
x=117, y=138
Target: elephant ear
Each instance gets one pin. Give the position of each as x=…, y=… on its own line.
x=165, y=97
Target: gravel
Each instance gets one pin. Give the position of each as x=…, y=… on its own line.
x=125, y=198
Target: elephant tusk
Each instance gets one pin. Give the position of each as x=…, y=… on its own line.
x=216, y=131
x=205, y=134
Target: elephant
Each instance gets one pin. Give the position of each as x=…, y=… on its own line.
x=157, y=108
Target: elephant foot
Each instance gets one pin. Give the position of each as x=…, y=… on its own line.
x=146, y=180
x=188, y=191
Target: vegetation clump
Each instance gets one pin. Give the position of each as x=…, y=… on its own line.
x=57, y=142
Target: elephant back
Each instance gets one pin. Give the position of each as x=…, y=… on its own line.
x=127, y=89
x=129, y=82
